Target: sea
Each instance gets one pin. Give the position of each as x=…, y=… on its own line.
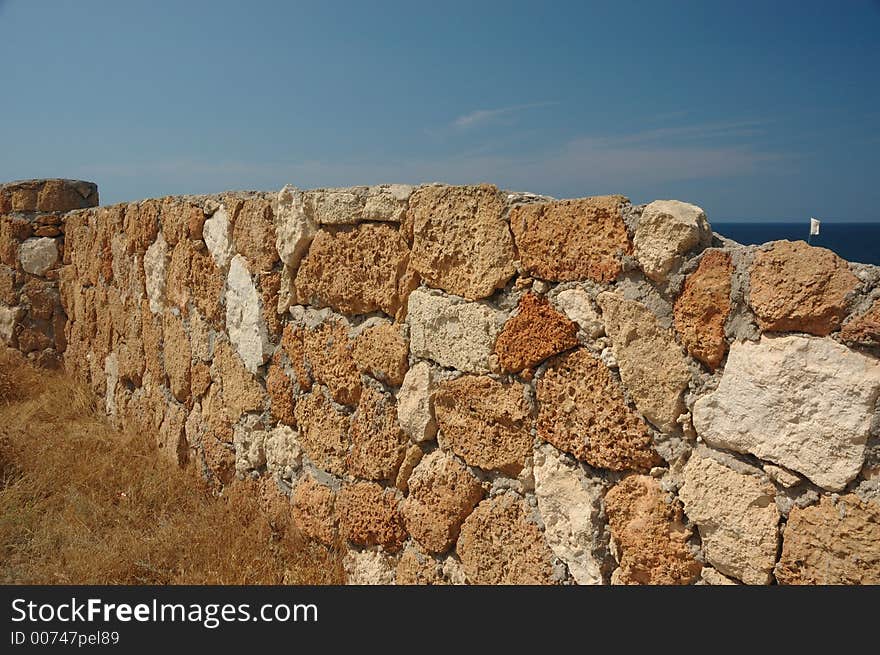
x=855, y=242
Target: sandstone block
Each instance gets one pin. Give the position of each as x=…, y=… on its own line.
x=323, y=431
x=577, y=306
x=283, y=452
x=281, y=395
x=250, y=449
x=650, y=534
x=801, y=402
x=415, y=409
x=667, y=230
x=484, y=422
x=387, y=202
x=796, y=287
x=369, y=516
x=498, y=545
x=294, y=227
x=442, y=492
x=217, y=233
x=354, y=271
x=566, y=240
x=381, y=351
x=537, y=332
x=254, y=234
x=313, y=510
x=240, y=390
x=8, y=290
x=461, y=240
x=177, y=357
x=38, y=255
x=155, y=265
x=834, y=542
x=582, y=411
x=702, y=309
x=652, y=365
x=293, y=345
x=378, y=444
x=418, y=568
x=736, y=515
x=454, y=334
x=342, y=206
x=368, y=567
x=863, y=330
x=328, y=350
x=244, y=316
x=570, y=506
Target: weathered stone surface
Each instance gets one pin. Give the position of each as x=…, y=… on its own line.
x=454, y=334
x=38, y=255
x=800, y=402
x=415, y=408
x=339, y=206
x=280, y=389
x=381, y=351
x=576, y=304
x=8, y=293
x=48, y=195
x=498, y=545
x=378, y=444
x=292, y=343
x=323, y=431
x=294, y=228
x=387, y=202
x=354, y=271
x=737, y=517
x=368, y=567
x=283, y=452
x=369, y=516
x=177, y=288
x=206, y=286
x=170, y=437
x=795, y=287
x=42, y=298
x=411, y=459
x=667, y=230
x=582, y=411
x=250, y=451
x=652, y=365
x=834, y=542
x=140, y=226
x=254, y=234
x=239, y=388
x=570, y=506
x=537, y=332
x=703, y=307
x=863, y=330
x=461, y=242
x=244, y=316
x=418, y=568
x=155, y=265
x=650, y=535
x=9, y=317
x=442, y=492
x=177, y=357
x=200, y=379
x=313, y=510
x=217, y=234
x=328, y=350
x=567, y=240
x=484, y=422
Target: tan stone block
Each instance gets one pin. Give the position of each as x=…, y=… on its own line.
x=313, y=511
x=177, y=357
x=324, y=431
x=280, y=389
x=378, y=443
x=369, y=516
x=254, y=234
x=328, y=350
x=537, y=332
x=292, y=343
x=863, y=330
x=382, y=351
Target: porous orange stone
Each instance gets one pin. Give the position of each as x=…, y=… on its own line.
x=177, y=276
x=418, y=568
x=796, y=287
x=240, y=389
x=254, y=234
x=200, y=379
x=834, y=542
x=354, y=270
x=292, y=343
x=177, y=357
x=565, y=240
x=328, y=350
x=269, y=284
x=378, y=443
x=582, y=411
x=382, y=352
x=206, y=285
x=498, y=545
x=537, y=332
x=650, y=534
x=323, y=431
x=369, y=516
x=461, y=240
x=151, y=335
x=140, y=226
x=313, y=510
x=442, y=492
x=863, y=330
x=41, y=296
x=170, y=437
x=484, y=422
x=280, y=389
x=219, y=458
x=703, y=307
x=8, y=293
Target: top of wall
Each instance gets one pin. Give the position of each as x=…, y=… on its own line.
x=51, y=195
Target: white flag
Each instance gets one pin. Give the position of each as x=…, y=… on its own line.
x=814, y=226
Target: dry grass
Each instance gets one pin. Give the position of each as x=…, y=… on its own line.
x=82, y=503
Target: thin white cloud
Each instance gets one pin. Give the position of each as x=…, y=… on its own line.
x=484, y=116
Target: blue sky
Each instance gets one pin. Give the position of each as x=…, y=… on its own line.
x=753, y=110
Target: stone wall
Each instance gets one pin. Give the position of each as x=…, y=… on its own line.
x=462, y=384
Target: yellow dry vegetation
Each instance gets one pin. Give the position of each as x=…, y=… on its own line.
x=83, y=503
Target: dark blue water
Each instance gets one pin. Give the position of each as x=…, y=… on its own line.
x=855, y=242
